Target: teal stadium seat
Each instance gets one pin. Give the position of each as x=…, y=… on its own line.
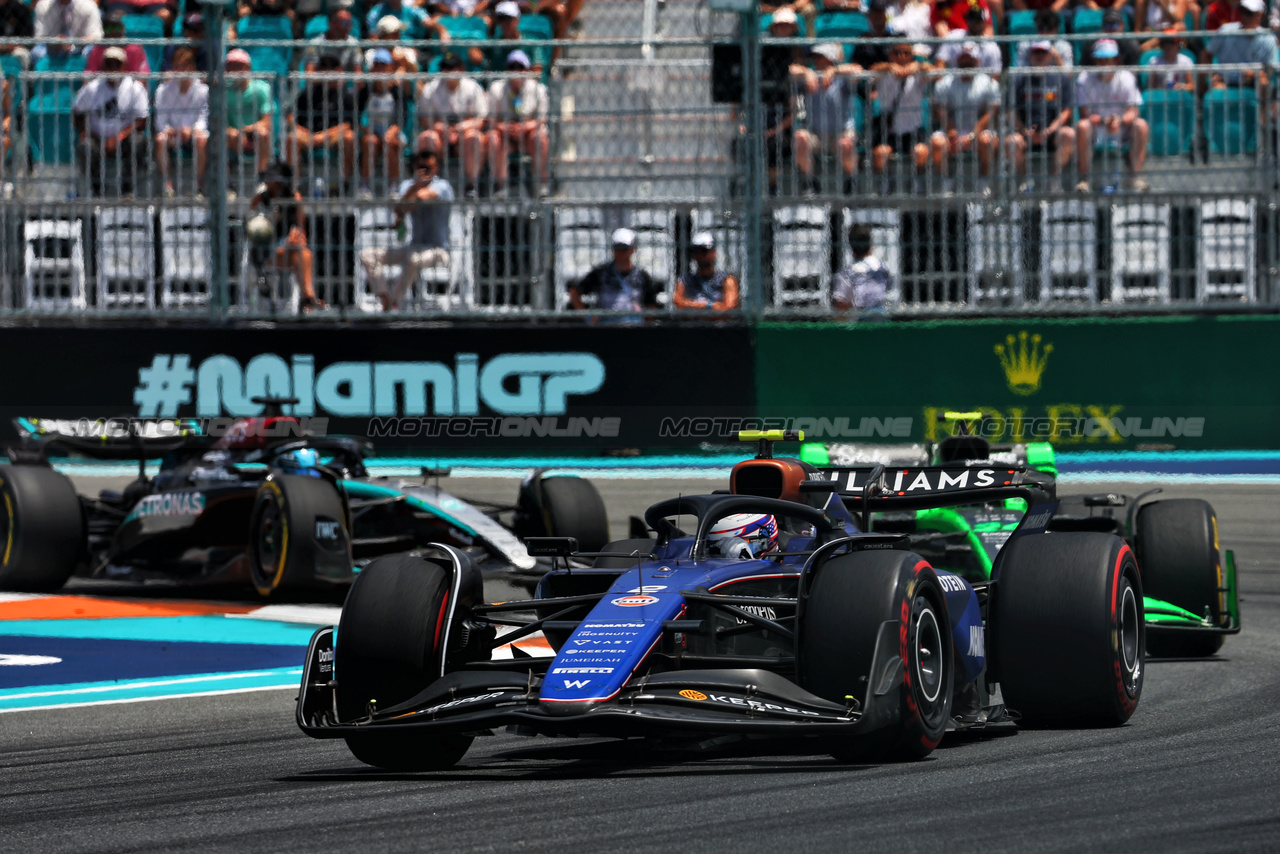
x=1231, y=121
x=147, y=27
x=536, y=27
x=267, y=58
x=1171, y=117
x=1022, y=22
x=318, y=25
x=465, y=29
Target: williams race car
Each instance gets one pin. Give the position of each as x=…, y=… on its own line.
x=763, y=611
x=262, y=503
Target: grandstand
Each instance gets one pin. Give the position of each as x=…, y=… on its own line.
x=645, y=128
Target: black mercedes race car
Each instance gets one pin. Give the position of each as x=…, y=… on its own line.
x=260, y=503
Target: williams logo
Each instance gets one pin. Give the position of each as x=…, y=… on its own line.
x=1023, y=360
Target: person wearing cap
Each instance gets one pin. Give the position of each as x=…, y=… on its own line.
x=110, y=113
x=1061, y=53
x=990, y=59
x=325, y=116
x=113, y=28
x=794, y=9
x=193, y=33
x=452, y=111
x=899, y=128
x=1043, y=109
x=1170, y=58
x=828, y=104
x=181, y=120
x=518, y=108
x=383, y=138
x=705, y=286
x=865, y=284
x=506, y=27
x=1113, y=24
x=335, y=41
x=948, y=15
x=968, y=102
x=425, y=199
x=618, y=285
x=280, y=201
x=57, y=20
x=1245, y=42
x=1108, y=100
x=414, y=18
x=249, y=110
x=785, y=25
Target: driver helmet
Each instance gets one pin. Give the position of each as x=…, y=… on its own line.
x=303, y=458
x=759, y=530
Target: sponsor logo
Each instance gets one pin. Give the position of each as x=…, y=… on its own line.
x=583, y=670
x=1023, y=361
x=328, y=532
x=1038, y=521
x=324, y=658
x=170, y=504
x=590, y=657
x=581, y=642
x=576, y=683
x=461, y=702
x=757, y=610
x=690, y=694
x=648, y=588
x=907, y=481
x=977, y=643
x=634, y=601
x=758, y=705
x=951, y=584
x=611, y=626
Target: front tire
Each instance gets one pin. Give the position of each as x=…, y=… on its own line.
x=1177, y=543
x=42, y=529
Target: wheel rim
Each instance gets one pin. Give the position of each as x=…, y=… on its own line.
x=1129, y=629
x=268, y=546
x=928, y=655
x=6, y=531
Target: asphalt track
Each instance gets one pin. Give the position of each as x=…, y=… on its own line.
x=1196, y=769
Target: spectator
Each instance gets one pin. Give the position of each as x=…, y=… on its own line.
x=1171, y=57
x=1109, y=100
x=337, y=42
x=562, y=14
x=866, y=55
x=828, y=99
x=989, y=56
x=1221, y=12
x=16, y=22
x=518, y=108
x=113, y=28
x=968, y=101
x=705, y=286
x=619, y=285
x=864, y=285
x=425, y=199
x=415, y=20
x=165, y=10
x=797, y=8
x=785, y=25
x=948, y=15
x=506, y=27
x=404, y=60
x=181, y=118
x=325, y=116
x=465, y=8
x=899, y=129
x=1245, y=42
x=911, y=19
x=386, y=118
x=249, y=110
x=452, y=113
x=1060, y=51
x=110, y=113
x=1112, y=28
x=1043, y=106
x=67, y=19
x=282, y=204
x=1156, y=16
x=193, y=32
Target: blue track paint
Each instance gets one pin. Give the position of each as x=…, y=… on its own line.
x=131, y=690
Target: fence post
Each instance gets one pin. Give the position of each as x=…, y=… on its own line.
x=214, y=26
x=749, y=32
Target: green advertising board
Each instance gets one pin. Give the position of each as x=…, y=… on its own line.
x=1085, y=384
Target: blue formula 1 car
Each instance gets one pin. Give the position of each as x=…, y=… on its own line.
x=764, y=610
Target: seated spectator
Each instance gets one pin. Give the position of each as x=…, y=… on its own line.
x=415, y=20
x=784, y=26
x=828, y=98
x=899, y=129
x=1113, y=28
x=1245, y=42
x=619, y=285
x=325, y=116
x=193, y=32
x=989, y=56
x=404, y=60
x=705, y=286
x=948, y=15
x=968, y=102
x=1060, y=51
x=518, y=108
x=867, y=54
x=1169, y=58
x=165, y=10
x=1221, y=12
x=1109, y=102
x=425, y=199
x=181, y=120
x=562, y=14
x=110, y=112
x=806, y=9
x=451, y=112
x=337, y=42
x=282, y=204
x=864, y=285
x=1043, y=107
x=1156, y=16
x=16, y=22
x=266, y=9
x=135, y=57
x=506, y=27
x=59, y=20
x=249, y=110
x=383, y=138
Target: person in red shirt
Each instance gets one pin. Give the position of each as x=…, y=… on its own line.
x=1221, y=12
x=948, y=15
x=113, y=28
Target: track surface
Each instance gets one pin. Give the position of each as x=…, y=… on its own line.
x=1197, y=769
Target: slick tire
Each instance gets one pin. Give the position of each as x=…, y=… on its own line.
x=852, y=596
x=1066, y=634
x=285, y=550
x=571, y=507
x=389, y=648
x=42, y=529
x=1177, y=545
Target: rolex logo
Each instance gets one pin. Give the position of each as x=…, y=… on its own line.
x=1023, y=360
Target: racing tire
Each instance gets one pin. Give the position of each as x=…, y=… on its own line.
x=42, y=529
x=1177, y=545
x=571, y=507
x=389, y=648
x=644, y=547
x=851, y=598
x=285, y=551
x=1065, y=629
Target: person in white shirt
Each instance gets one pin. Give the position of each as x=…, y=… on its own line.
x=990, y=59
x=110, y=114
x=1108, y=101
x=452, y=111
x=899, y=129
x=181, y=119
x=518, y=109
x=1175, y=66
x=967, y=103
x=67, y=19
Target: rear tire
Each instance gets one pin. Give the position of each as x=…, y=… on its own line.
x=389, y=648
x=1067, y=634
x=572, y=507
x=1177, y=543
x=42, y=529
x=851, y=597
x=286, y=551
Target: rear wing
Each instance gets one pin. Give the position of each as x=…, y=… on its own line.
x=879, y=488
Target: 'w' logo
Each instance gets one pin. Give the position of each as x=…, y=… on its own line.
x=576, y=683
x=975, y=642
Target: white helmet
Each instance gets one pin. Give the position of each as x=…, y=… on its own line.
x=757, y=532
